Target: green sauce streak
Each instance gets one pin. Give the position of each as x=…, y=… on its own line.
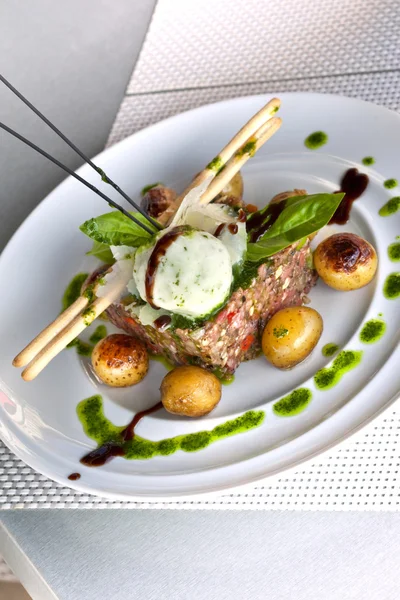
x=293, y=404
x=316, y=140
x=391, y=288
x=372, y=331
x=73, y=290
x=88, y=315
x=368, y=160
x=223, y=377
x=280, y=332
x=390, y=183
x=99, y=333
x=71, y=294
x=216, y=164
x=394, y=252
x=249, y=148
x=99, y=428
x=82, y=348
x=347, y=360
x=391, y=207
x=330, y=349
x=149, y=187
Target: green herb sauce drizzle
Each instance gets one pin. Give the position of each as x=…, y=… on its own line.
x=102, y=431
x=73, y=290
x=372, y=331
x=316, y=140
x=328, y=377
x=293, y=404
x=99, y=333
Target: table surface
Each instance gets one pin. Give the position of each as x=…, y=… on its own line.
x=158, y=553
x=225, y=555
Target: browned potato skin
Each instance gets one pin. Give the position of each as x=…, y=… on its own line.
x=160, y=203
x=288, y=194
x=190, y=391
x=345, y=261
x=291, y=335
x=120, y=360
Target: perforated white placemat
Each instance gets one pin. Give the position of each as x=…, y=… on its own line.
x=363, y=473
x=212, y=42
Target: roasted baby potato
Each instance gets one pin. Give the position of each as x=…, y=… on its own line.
x=291, y=335
x=288, y=194
x=120, y=360
x=345, y=261
x=160, y=203
x=190, y=391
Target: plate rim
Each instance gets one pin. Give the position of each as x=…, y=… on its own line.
x=216, y=489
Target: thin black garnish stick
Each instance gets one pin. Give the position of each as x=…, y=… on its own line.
x=73, y=174
x=100, y=171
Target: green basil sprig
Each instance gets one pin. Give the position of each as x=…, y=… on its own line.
x=114, y=229
x=300, y=217
x=102, y=252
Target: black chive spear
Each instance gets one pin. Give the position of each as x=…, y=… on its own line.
x=100, y=171
x=78, y=177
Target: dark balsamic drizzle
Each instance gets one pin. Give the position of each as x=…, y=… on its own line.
x=219, y=230
x=74, y=476
x=353, y=184
x=233, y=228
x=161, y=323
x=258, y=223
x=242, y=216
x=109, y=450
x=158, y=253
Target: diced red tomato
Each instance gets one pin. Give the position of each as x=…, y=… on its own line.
x=130, y=320
x=247, y=342
x=229, y=317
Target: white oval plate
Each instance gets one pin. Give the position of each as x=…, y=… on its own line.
x=38, y=419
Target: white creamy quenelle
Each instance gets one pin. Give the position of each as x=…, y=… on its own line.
x=193, y=277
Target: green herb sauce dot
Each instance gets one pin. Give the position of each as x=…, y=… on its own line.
x=391, y=287
x=390, y=183
x=316, y=140
x=330, y=349
x=368, y=160
x=391, y=207
x=372, y=331
x=293, y=404
x=394, y=252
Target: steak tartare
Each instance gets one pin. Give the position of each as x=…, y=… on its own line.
x=232, y=335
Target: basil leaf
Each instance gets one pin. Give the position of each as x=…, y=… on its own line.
x=301, y=216
x=101, y=251
x=114, y=229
